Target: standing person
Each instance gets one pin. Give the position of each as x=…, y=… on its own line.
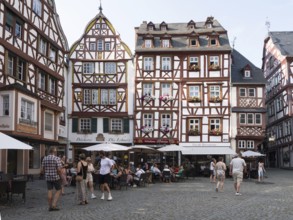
x=51, y=167
x=261, y=170
x=212, y=170
x=81, y=187
x=89, y=176
x=220, y=169
x=105, y=170
x=237, y=166
x=63, y=174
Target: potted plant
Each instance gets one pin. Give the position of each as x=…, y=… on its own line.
x=215, y=131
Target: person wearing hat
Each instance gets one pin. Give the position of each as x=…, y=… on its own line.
x=237, y=166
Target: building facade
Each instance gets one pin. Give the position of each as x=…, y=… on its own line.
x=182, y=85
x=278, y=71
x=248, y=115
x=101, y=75
x=32, y=78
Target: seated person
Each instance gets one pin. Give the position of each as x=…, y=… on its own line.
x=156, y=171
x=180, y=172
x=129, y=175
x=166, y=174
x=136, y=178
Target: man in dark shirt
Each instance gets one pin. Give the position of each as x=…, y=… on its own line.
x=51, y=167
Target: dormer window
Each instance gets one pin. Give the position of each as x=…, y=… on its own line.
x=193, y=42
x=163, y=26
x=213, y=42
x=209, y=25
x=209, y=22
x=150, y=26
x=148, y=43
x=247, y=74
x=191, y=24
x=166, y=43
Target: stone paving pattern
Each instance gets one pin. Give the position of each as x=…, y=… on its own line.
x=192, y=199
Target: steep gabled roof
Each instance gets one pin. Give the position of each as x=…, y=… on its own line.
x=283, y=41
x=239, y=63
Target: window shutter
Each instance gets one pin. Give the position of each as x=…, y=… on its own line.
x=106, y=125
x=94, y=125
x=74, y=125
x=126, y=125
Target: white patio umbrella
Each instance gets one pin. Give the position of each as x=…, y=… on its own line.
x=170, y=148
x=250, y=153
x=142, y=148
x=106, y=146
x=7, y=142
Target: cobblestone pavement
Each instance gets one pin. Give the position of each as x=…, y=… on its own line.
x=192, y=199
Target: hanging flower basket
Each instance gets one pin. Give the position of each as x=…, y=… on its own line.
x=194, y=99
x=146, y=130
x=165, y=130
x=166, y=98
x=148, y=98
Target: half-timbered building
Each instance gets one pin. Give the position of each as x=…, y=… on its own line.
x=102, y=76
x=247, y=104
x=32, y=76
x=182, y=93
x=278, y=71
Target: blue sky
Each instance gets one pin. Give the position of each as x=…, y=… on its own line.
x=244, y=20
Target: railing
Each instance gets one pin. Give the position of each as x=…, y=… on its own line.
x=27, y=122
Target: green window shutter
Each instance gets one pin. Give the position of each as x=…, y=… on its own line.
x=94, y=125
x=126, y=125
x=106, y=125
x=74, y=125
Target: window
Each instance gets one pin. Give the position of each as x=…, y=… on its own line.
x=279, y=104
x=251, y=92
x=42, y=46
x=148, y=43
x=193, y=63
x=194, y=125
x=148, y=63
x=108, y=97
x=35, y=157
x=42, y=81
x=5, y=99
x=165, y=43
x=85, y=125
x=104, y=26
x=287, y=128
x=250, y=144
x=214, y=61
x=100, y=45
x=215, y=124
x=242, y=92
x=16, y=67
x=110, y=68
x=147, y=89
x=241, y=144
x=194, y=91
x=92, y=46
x=166, y=120
x=116, y=125
x=98, y=26
x=13, y=24
x=214, y=91
x=53, y=52
x=88, y=68
x=258, y=120
x=250, y=118
x=166, y=63
x=52, y=86
x=148, y=120
x=90, y=96
x=193, y=42
x=48, y=121
x=213, y=41
x=37, y=7
x=166, y=89
x=107, y=46
x=242, y=118
x=27, y=110
x=247, y=74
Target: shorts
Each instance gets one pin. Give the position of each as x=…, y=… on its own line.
x=104, y=178
x=260, y=173
x=89, y=177
x=237, y=176
x=212, y=172
x=220, y=174
x=54, y=184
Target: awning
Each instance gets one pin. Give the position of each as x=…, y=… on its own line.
x=207, y=150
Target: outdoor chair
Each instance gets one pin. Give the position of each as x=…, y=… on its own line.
x=123, y=181
x=18, y=187
x=4, y=189
x=167, y=176
x=142, y=179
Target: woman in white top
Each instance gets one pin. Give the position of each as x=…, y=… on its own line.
x=89, y=176
x=220, y=169
x=261, y=170
x=212, y=171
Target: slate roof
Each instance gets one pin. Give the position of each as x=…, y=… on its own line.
x=283, y=41
x=238, y=64
x=180, y=33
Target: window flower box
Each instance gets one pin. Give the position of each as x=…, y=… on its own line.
x=194, y=67
x=146, y=130
x=215, y=131
x=193, y=132
x=165, y=129
x=194, y=99
x=148, y=98
x=215, y=99
x=214, y=67
x=166, y=98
